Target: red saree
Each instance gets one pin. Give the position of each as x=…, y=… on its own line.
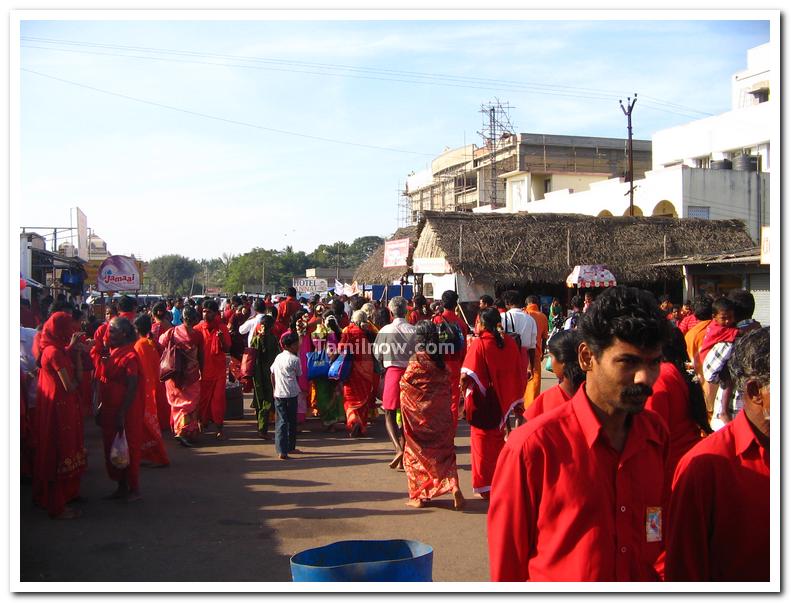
x=122, y=363
x=505, y=371
x=60, y=456
x=429, y=429
x=163, y=408
x=211, y=407
x=184, y=394
x=152, y=448
x=358, y=388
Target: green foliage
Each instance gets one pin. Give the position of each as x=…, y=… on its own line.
x=245, y=272
x=172, y=273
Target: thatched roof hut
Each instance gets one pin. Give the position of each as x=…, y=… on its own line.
x=543, y=248
x=372, y=272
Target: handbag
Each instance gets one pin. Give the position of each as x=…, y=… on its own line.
x=119, y=451
x=249, y=357
x=482, y=411
x=341, y=367
x=171, y=365
x=318, y=364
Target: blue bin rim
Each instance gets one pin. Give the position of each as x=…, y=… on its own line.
x=428, y=549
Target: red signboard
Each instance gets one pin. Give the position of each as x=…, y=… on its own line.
x=396, y=253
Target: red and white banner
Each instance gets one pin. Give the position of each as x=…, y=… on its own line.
x=118, y=273
x=396, y=253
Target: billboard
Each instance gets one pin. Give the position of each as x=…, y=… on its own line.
x=118, y=273
x=396, y=253
x=310, y=285
x=82, y=235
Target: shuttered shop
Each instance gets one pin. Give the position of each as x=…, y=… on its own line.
x=759, y=286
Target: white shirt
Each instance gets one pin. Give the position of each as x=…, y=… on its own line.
x=517, y=321
x=286, y=369
x=395, y=343
x=248, y=327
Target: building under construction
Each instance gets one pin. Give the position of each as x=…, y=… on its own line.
x=511, y=170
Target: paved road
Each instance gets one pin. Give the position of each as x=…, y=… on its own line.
x=231, y=511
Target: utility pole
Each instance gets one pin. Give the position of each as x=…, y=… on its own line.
x=263, y=278
x=338, y=263
x=630, y=101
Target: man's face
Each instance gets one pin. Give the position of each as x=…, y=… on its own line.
x=482, y=305
x=179, y=304
x=622, y=377
x=665, y=306
x=209, y=315
x=115, y=336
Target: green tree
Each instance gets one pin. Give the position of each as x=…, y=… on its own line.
x=173, y=273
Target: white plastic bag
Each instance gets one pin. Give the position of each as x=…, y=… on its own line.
x=119, y=451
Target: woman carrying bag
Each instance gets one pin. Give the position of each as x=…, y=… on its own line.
x=493, y=381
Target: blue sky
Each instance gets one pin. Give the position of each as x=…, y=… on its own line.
x=153, y=180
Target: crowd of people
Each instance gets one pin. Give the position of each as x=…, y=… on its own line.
x=633, y=466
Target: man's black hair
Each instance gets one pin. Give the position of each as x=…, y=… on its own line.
x=450, y=299
x=626, y=313
x=512, y=298
x=533, y=299
x=259, y=306
x=745, y=303
x=664, y=298
x=576, y=303
x=127, y=303
x=236, y=300
x=487, y=299
x=210, y=304
x=190, y=315
x=143, y=325
x=702, y=307
x=291, y=291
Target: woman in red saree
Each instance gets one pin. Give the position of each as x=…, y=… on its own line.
x=159, y=327
x=152, y=448
x=122, y=398
x=493, y=361
x=358, y=388
x=184, y=391
x=60, y=454
x=429, y=453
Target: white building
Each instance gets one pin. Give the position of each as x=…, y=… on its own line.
x=713, y=168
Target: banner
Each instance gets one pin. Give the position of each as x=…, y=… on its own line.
x=396, y=253
x=82, y=235
x=118, y=273
x=430, y=266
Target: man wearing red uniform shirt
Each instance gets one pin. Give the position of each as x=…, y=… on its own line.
x=450, y=299
x=285, y=310
x=216, y=342
x=719, y=508
x=577, y=493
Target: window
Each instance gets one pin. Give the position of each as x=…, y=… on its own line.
x=547, y=185
x=698, y=211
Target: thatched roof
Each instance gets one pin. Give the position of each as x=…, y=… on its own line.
x=372, y=272
x=522, y=247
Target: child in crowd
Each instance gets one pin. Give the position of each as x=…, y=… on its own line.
x=286, y=370
x=722, y=327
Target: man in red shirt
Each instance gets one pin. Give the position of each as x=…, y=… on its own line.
x=577, y=493
x=450, y=300
x=216, y=343
x=285, y=310
x=719, y=508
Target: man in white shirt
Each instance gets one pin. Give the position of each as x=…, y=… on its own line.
x=248, y=327
x=518, y=322
x=393, y=347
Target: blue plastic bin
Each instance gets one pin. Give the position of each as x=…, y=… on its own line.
x=365, y=561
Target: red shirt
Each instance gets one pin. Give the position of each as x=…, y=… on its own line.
x=546, y=401
x=566, y=506
x=670, y=401
x=718, y=524
x=687, y=323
